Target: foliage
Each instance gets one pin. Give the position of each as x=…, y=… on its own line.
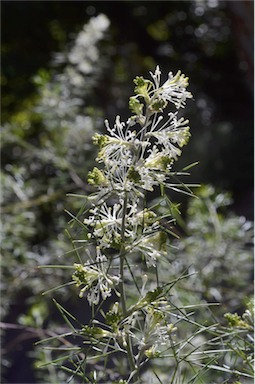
x=120, y=231
x=217, y=249
x=39, y=169
x=123, y=252
x=56, y=155
x=47, y=151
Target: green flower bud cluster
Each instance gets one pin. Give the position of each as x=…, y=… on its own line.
x=134, y=175
x=85, y=276
x=100, y=140
x=96, y=177
x=135, y=106
x=143, y=87
x=113, y=317
x=94, y=332
x=157, y=105
x=151, y=353
x=234, y=320
x=160, y=162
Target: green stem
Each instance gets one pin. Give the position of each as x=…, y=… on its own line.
x=122, y=290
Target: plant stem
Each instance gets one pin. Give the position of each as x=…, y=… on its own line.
x=122, y=290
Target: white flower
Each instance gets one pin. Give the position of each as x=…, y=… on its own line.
x=156, y=77
x=95, y=279
x=118, y=148
x=119, y=131
x=149, y=179
x=84, y=53
x=150, y=246
x=173, y=131
x=106, y=222
x=174, y=89
x=159, y=160
x=155, y=332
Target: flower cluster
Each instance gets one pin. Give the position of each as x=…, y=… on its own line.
x=136, y=156
x=124, y=238
x=95, y=279
x=139, y=158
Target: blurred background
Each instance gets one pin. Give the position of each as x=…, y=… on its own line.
x=68, y=65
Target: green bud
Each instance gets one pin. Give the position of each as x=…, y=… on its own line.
x=96, y=177
x=159, y=162
x=179, y=78
x=117, y=242
x=135, y=106
x=84, y=275
x=151, y=353
x=171, y=328
x=113, y=316
x=134, y=175
x=100, y=140
x=80, y=275
x=164, y=162
x=234, y=320
x=95, y=332
x=153, y=295
x=157, y=105
x=183, y=136
x=146, y=217
x=142, y=87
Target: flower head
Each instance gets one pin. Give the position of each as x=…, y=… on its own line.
x=136, y=156
x=95, y=279
x=174, y=89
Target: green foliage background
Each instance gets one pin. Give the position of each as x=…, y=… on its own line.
x=46, y=153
